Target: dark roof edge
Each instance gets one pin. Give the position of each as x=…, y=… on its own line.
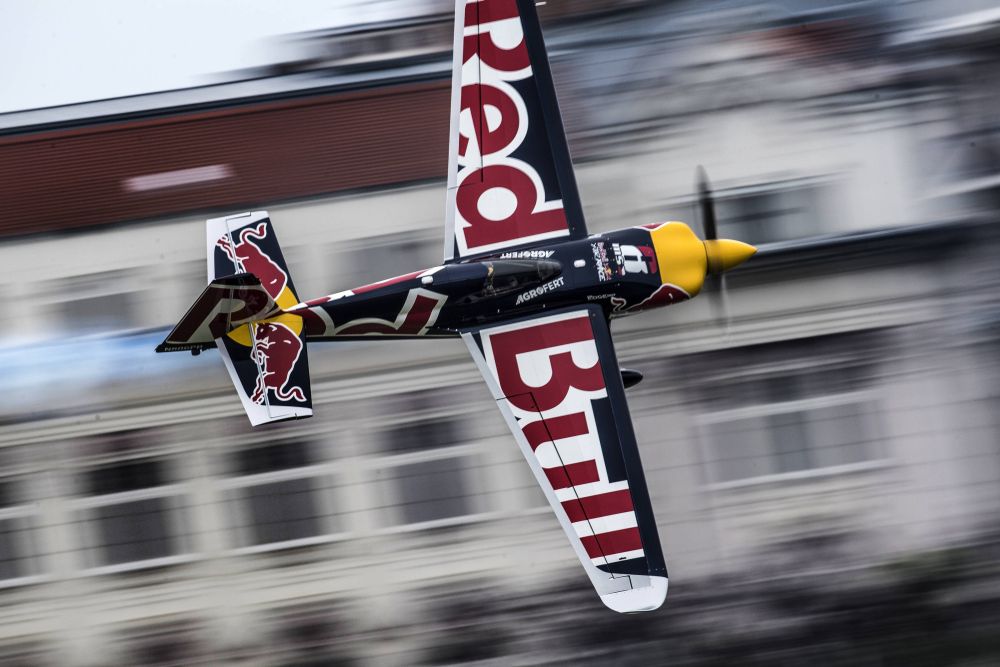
x=424, y=74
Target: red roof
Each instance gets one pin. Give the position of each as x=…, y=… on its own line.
x=237, y=157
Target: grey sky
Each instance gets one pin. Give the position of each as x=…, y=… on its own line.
x=62, y=51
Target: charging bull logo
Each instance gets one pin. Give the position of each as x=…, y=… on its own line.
x=248, y=257
x=276, y=350
x=275, y=344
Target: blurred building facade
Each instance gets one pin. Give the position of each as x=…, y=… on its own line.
x=846, y=417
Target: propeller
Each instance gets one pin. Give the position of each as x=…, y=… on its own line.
x=706, y=206
x=715, y=280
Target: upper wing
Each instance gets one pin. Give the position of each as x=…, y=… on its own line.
x=510, y=178
x=556, y=380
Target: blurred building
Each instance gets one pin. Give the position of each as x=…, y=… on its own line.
x=847, y=415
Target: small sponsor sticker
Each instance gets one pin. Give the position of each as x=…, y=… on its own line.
x=528, y=254
x=540, y=290
x=601, y=261
x=634, y=259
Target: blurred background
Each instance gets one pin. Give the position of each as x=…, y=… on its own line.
x=825, y=470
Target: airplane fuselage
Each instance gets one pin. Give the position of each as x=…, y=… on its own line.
x=621, y=271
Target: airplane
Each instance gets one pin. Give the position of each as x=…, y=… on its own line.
x=524, y=285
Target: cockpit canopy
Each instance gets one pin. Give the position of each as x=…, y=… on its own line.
x=504, y=276
x=510, y=275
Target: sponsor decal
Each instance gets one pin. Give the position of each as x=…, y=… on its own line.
x=276, y=350
x=275, y=344
x=418, y=314
x=664, y=295
x=550, y=372
x=528, y=254
x=599, y=297
x=635, y=259
x=221, y=308
x=601, y=261
x=328, y=298
x=500, y=200
x=248, y=257
x=540, y=290
x=387, y=282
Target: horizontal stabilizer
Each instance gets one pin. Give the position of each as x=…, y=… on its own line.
x=226, y=304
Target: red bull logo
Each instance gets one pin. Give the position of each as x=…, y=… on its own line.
x=274, y=344
x=248, y=257
x=276, y=350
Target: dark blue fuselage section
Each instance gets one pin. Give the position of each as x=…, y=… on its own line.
x=616, y=271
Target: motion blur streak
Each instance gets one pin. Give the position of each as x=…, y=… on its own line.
x=826, y=471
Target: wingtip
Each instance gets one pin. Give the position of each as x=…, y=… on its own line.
x=640, y=599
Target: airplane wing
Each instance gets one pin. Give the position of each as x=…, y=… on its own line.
x=556, y=380
x=510, y=178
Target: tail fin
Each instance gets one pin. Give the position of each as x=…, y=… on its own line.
x=263, y=347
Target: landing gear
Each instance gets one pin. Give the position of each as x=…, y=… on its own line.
x=631, y=378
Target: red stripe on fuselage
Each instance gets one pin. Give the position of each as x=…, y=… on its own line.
x=414, y=320
x=386, y=283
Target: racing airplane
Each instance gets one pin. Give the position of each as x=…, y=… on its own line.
x=522, y=283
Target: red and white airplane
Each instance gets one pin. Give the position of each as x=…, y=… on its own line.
x=522, y=284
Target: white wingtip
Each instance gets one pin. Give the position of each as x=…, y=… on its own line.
x=643, y=598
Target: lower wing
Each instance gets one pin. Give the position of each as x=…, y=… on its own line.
x=556, y=380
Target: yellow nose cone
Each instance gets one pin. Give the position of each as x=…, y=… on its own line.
x=681, y=256
x=724, y=254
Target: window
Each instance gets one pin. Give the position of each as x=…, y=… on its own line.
x=97, y=303
x=134, y=531
x=277, y=496
x=424, y=421
x=99, y=314
x=798, y=406
x=784, y=438
x=165, y=644
x=429, y=490
x=309, y=634
x=428, y=474
x=425, y=434
x=280, y=511
x=18, y=520
x=776, y=212
x=130, y=514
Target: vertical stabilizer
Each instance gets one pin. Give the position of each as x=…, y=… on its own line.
x=266, y=360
